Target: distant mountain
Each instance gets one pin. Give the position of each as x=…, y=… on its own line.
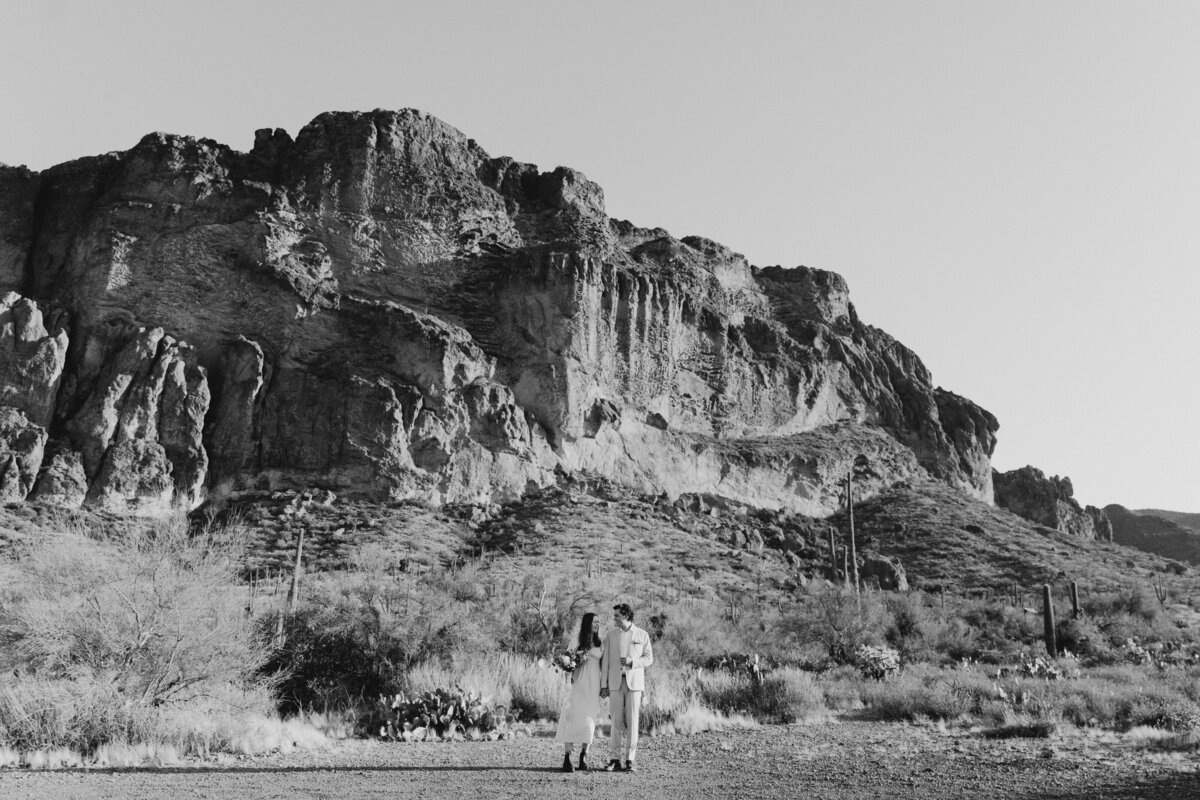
x=1154, y=534
x=1183, y=518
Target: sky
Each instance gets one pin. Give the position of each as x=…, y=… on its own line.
x=1011, y=189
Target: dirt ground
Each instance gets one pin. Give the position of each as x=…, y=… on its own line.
x=829, y=760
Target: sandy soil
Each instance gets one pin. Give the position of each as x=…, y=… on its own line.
x=834, y=760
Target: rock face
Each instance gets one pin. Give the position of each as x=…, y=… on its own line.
x=1028, y=493
x=31, y=367
x=379, y=306
x=888, y=573
x=1154, y=534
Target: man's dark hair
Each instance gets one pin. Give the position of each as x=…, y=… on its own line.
x=624, y=610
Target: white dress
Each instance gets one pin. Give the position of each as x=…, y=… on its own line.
x=577, y=722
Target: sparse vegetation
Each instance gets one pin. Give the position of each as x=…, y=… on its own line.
x=136, y=634
x=121, y=635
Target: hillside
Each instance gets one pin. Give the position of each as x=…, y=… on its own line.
x=661, y=551
x=1184, y=518
x=1154, y=534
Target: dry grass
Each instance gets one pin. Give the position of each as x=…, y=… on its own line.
x=131, y=636
x=439, y=598
x=513, y=682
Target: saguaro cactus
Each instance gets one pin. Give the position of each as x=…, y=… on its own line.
x=1048, y=619
x=1074, y=600
x=833, y=565
x=297, y=571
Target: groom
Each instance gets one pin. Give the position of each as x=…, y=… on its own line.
x=623, y=661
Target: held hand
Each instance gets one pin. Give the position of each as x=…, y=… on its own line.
x=626, y=662
x=604, y=692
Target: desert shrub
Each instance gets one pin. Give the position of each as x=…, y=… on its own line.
x=910, y=628
x=151, y=608
x=1121, y=626
x=358, y=633
x=1157, y=707
x=785, y=695
x=123, y=633
x=909, y=698
x=841, y=622
x=1084, y=638
x=842, y=688
x=670, y=693
x=536, y=693
x=1123, y=697
x=513, y=684
x=80, y=714
x=927, y=693
x=1184, y=680
x=698, y=631
x=673, y=704
x=542, y=612
x=921, y=633
x=1000, y=632
x=1136, y=601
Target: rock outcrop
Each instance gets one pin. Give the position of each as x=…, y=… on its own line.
x=887, y=573
x=1028, y=493
x=31, y=367
x=379, y=306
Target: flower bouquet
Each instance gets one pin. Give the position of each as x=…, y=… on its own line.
x=565, y=662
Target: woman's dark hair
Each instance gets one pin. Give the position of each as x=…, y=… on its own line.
x=587, y=630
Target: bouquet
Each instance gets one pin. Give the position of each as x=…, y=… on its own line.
x=567, y=661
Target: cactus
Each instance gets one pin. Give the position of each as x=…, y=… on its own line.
x=1074, y=600
x=833, y=565
x=1160, y=592
x=1048, y=619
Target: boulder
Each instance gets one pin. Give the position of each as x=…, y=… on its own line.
x=887, y=571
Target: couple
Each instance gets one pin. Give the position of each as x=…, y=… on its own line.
x=614, y=668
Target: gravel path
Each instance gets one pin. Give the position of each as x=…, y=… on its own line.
x=834, y=760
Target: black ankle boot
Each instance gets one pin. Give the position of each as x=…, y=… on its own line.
x=583, y=767
x=567, y=763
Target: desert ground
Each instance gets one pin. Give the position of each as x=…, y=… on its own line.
x=846, y=759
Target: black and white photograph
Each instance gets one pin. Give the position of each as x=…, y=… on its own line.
x=552, y=399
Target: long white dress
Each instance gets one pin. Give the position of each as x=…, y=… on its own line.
x=577, y=722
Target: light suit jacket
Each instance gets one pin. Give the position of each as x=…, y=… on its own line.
x=610, y=660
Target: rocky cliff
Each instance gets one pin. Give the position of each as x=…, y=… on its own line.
x=1028, y=493
x=380, y=306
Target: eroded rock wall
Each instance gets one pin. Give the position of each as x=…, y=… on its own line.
x=380, y=306
x=1028, y=493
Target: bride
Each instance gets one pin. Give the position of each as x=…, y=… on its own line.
x=577, y=722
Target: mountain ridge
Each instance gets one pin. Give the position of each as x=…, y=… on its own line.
x=378, y=305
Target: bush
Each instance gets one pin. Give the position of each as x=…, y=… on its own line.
x=841, y=622
x=359, y=633
x=123, y=633
x=150, y=609
x=785, y=695
x=696, y=632
x=935, y=694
